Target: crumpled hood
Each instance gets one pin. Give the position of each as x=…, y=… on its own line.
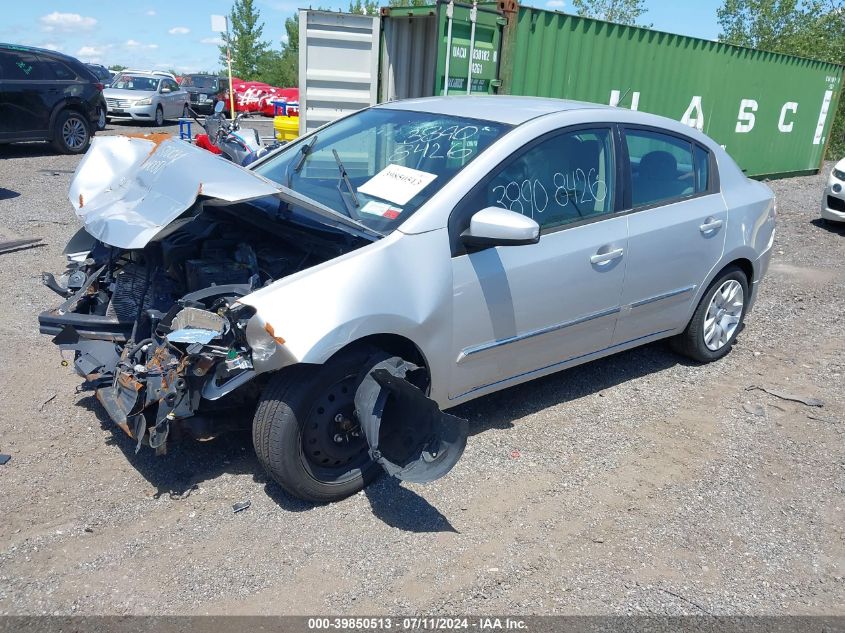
x=127, y=189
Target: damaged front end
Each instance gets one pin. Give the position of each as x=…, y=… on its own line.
x=155, y=313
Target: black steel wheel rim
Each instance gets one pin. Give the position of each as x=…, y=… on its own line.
x=333, y=446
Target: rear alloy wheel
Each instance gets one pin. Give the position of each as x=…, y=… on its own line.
x=159, y=120
x=70, y=133
x=717, y=319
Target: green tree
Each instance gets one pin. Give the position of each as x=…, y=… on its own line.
x=807, y=28
x=244, y=36
x=619, y=11
x=367, y=7
x=281, y=67
x=117, y=67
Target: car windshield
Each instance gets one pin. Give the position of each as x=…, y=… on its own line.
x=199, y=81
x=379, y=166
x=135, y=82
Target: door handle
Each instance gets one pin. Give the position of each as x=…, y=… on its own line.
x=710, y=224
x=609, y=256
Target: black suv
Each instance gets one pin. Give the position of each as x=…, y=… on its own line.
x=205, y=91
x=48, y=96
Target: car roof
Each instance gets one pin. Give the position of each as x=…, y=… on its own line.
x=509, y=109
x=39, y=51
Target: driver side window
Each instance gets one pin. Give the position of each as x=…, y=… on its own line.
x=562, y=179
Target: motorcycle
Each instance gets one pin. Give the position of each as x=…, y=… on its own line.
x=240, y=145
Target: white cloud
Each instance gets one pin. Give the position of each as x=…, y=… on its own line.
x=91, y=53
x=212, y=40
x=51, y=46
x=66, y=22
x=179, y=30
x=555, y=4
x=151, y=13
x=135, y=44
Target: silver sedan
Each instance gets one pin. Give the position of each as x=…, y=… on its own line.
x=393, y=264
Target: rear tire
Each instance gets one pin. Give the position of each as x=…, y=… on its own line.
x=71, y=134
x=717, y=321
x=305, y=434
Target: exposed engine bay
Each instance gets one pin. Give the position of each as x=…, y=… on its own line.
x=158, y=332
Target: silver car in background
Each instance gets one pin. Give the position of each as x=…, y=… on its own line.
x=146, y=96
x=410, y=257
x=833, y=199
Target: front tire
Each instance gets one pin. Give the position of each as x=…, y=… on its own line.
x=717, y=320
x=159, y=117
x=306, y=435
x=71, y=134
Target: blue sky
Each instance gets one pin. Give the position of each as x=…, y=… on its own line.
x=177, y=33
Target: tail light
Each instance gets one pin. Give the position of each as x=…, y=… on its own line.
x=99, y=86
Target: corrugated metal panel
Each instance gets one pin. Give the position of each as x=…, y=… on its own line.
x=338, y=65
x=408, y=57
x=483, y=46
x=771, y=112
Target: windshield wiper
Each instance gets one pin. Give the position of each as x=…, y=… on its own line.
x=305, y=151
x=345, y=178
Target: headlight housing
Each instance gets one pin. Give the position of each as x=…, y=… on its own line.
x=839, y=174
x=147, y=101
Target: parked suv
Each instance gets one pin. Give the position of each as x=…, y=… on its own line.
x=48, y=96
x=205, y=91
x=146, y=96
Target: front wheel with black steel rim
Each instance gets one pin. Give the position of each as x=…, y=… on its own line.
x=159, y=117
x=306, y=433
x=71, y=134
x=717, y=319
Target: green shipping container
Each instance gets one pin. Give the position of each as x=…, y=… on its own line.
x=771, y=112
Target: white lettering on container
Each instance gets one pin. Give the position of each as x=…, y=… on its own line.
x=694, y=116
x=789, y=106
x=745, y=118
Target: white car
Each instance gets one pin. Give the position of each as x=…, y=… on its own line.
x=146, y=96
x=833, y=200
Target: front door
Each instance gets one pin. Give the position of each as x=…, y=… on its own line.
x=519, y=310
x=676, y=232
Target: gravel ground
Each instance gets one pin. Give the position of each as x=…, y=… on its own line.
x=635, y=484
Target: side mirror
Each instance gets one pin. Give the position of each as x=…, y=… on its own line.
x=495, y=226
x=218, y=107
x=164, y=90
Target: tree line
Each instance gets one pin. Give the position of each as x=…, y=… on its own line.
x=808, y=28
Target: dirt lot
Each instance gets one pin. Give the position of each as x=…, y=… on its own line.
x=635, y=484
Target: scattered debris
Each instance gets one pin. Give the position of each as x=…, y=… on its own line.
x=90, y=530
x=515, y=454
x=241, y=505
x=810, y=402
x=687, y=600
x=754, y=409
x=10, y=246
x=820, y=419
x=46, y=402
x=4, y=458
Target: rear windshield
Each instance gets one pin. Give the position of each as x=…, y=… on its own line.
x=135, y=82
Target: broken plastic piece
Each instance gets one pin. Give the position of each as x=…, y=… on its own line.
x=192, y=335
x=409, y=436
x=4, y=459
x=241, y=505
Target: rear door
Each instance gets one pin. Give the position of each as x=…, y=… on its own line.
x=523, y=309
x=676, y=229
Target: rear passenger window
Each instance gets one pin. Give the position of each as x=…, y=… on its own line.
x=59, y=70
x=662, y=167
x=563, y=179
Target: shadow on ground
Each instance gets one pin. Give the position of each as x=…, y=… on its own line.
x=832, y=227
x=189, y=463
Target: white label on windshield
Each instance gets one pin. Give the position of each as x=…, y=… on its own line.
x=397, y=183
